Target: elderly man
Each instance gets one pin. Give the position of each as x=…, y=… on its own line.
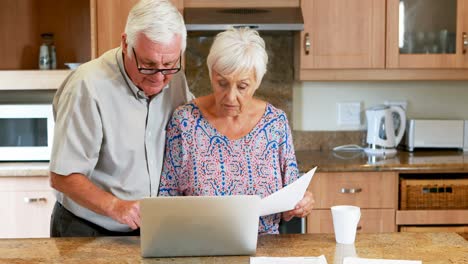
x=111, y=115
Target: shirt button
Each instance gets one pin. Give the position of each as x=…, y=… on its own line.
x=141, y=94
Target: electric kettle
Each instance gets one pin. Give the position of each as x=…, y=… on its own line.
x=385, y=129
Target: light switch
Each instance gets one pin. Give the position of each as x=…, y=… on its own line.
x=349, y=114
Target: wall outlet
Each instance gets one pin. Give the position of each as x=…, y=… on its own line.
x=349, y=114
x=402, y=103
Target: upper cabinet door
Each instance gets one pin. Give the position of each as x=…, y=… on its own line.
x=111, y=17
x=427, y=34
x=343, y=34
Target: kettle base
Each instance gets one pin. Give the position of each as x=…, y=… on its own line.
x=387, y=152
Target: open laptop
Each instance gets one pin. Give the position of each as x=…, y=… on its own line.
x=199, y=225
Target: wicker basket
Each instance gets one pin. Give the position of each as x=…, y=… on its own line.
x=433, y=194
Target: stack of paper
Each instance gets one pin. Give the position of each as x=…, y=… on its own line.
x=353, y=260
x=288, y=260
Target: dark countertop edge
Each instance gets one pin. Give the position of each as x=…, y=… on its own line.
x=422, y=161
x=457, y=168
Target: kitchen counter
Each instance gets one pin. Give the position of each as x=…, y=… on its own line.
x=431, y=248
x=8, y=169
x=329, y=161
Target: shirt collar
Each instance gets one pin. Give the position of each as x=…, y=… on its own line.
x=139, y=94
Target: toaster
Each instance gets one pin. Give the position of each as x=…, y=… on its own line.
x=432, y=133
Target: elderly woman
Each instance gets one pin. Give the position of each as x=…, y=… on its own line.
x=228, y=142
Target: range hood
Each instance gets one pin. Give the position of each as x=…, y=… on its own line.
x=218, y=19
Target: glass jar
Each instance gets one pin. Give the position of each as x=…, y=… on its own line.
x=47, y=53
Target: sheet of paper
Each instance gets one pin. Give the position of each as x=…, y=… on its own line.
x=286, y=198
x=353, y=260
x=288, y=260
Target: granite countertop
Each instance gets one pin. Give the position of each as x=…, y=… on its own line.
x=329, y=161
x=431, y=248
x=8, y=169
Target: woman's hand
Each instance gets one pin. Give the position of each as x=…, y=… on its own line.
x=302, y=209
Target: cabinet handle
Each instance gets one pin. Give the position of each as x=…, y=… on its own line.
x=465, y=42
x=34, y=200
x=359, y=228
x=351, y=190
x=306, y=43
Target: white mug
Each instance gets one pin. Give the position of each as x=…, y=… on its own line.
x=342, y=251
x=345, y=221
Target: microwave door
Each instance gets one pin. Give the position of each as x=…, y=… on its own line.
x=23, y=132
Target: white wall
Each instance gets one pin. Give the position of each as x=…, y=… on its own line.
x=315, y=103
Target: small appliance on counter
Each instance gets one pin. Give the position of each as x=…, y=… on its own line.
x=385, y=129
x=433, y=133
x=26, y=132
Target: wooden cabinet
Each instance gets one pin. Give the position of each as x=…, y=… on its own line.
x=83, y=30
x=26, y=204
x=372, y=221
x=433, y=200
x=111, y=17
x=23, y=22
x=381, y=40
x=374, y=192
x=427, y=34
x=343, y=34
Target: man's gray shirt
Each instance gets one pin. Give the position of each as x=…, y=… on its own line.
x=107, y=129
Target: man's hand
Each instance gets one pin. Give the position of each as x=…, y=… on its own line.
x=79, y=188
x=302, y=209
x=125, y=212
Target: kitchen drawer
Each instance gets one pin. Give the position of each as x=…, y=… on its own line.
x=372, y=221
x=434, y=229
x=363, y=189
x=26, y=205
x=23, y=183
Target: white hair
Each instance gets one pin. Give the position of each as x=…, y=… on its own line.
x=159, y=20
x=238, y=50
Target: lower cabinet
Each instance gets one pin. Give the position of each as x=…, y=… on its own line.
x=372, y=221
x=26, y=205
x=376, y=193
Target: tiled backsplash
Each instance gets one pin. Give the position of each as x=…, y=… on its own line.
x=327, y=140
x=276, y=87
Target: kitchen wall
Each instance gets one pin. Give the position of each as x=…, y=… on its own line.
x=312, y=106
x=315, y=103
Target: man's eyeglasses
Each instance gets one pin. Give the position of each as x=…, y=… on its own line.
x=151, y=71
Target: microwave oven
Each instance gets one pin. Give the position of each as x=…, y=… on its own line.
x=26, y=132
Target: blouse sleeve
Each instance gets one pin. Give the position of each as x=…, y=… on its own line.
x=287, y=155
x=173, y=166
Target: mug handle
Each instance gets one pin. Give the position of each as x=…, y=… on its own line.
x=401, y=129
